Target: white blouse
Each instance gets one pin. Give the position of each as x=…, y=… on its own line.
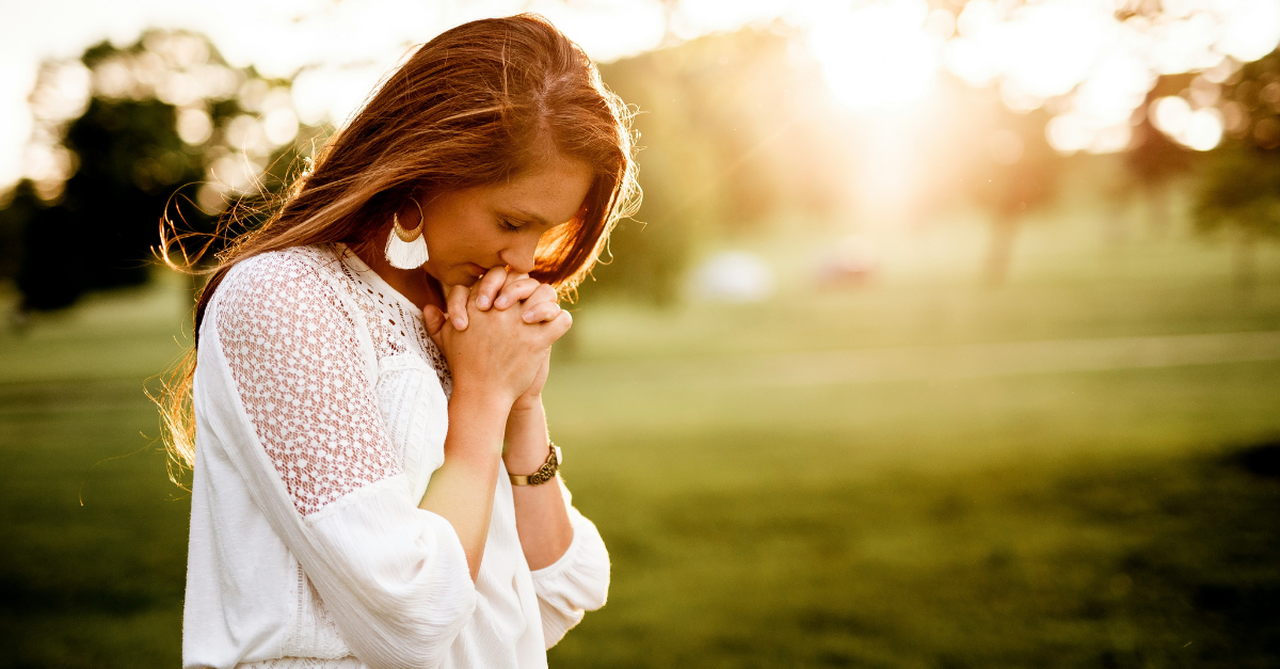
x=321, y=411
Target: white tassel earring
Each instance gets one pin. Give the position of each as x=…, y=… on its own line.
x=407, y=249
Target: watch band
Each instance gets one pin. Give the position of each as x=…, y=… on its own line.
x=545, y=473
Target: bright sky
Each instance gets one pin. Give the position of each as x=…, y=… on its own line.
x=876, y=54
x=347, y=45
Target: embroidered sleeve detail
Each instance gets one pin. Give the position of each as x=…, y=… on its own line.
x=295, y=356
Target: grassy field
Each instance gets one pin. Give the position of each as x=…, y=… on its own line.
x=882, y=477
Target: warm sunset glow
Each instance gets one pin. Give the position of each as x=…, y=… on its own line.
x=1079, y=58
x=876, y=55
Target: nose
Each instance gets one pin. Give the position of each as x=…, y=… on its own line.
x=520, y=255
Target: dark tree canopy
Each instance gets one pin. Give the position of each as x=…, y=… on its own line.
x=98, y=234
x=1241, y=188
x=160, y=115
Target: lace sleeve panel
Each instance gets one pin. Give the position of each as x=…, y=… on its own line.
x=295, y=356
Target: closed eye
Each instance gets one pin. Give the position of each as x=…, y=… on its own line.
x=508, y=224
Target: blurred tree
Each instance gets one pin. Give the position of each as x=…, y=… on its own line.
x=15, y=209
x=728, y=139
x=125, y=137
x=1154, y=161
x=1022, y=174
x=1005, y=165
x=1240, y=192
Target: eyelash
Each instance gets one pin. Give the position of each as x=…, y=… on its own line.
x=508, y=225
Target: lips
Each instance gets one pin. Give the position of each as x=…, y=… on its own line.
x=469, y=273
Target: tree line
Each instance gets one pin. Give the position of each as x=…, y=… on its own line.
x=736, y=130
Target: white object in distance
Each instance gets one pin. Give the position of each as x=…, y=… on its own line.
x=733, y=276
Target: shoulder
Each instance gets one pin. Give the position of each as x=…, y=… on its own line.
x=291, y=266
x=279, y=285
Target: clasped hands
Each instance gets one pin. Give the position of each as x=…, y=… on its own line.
x=497, y=335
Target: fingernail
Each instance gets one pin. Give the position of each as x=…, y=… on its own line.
x=482, y=302
x=502, y=302
x=458, y=324
x=527, y=317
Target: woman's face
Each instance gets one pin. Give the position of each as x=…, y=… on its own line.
x=471, y=230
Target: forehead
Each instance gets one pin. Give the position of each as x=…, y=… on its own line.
x=549, y=194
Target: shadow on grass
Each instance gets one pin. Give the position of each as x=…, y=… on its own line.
x=1146, y=563
x=1262, y=459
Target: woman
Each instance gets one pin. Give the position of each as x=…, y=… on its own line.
x=373, y=479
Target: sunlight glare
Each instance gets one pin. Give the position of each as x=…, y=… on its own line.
x=875, y=54
x=941, y=25
x=236, y=172
x=878, y=55
x=1251, y=30
x=703, y=16
x=606, y=30
x=1111, y=139
x=1038, y=50
x=1171, y=115
x=1199, y=129
x=1069, y=133
x=892, y=163
x=1183, y=45
x=1117, y=86
x=971, y=61
x=1049, y=48
x=194, y=126
x=66, y=96
x=1100, y=109
x=1204, y=129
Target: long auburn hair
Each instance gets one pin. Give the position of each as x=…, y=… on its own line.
x=480, y=104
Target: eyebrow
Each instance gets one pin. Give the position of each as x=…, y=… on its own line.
x=533, y=217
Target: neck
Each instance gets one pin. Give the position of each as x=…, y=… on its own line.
x=415, y=284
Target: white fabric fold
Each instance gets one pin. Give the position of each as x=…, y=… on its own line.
x=576, y=583
x=394, y=577
x=321, y=412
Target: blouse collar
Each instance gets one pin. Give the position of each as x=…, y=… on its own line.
x=369, y=276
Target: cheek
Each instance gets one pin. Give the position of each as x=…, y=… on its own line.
x=483, y=245
x=446, y=243
x=460, y=247
x=460, y=235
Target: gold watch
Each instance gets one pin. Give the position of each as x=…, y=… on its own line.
x=545, y=473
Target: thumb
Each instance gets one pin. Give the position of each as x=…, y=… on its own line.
x=433, y=318
x=457, y=303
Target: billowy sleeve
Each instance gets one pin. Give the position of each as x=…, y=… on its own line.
x=284, y=388
x=577, y=582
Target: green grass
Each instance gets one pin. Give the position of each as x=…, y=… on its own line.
x=756, y=518
x=95, y=537
x=1040, y=521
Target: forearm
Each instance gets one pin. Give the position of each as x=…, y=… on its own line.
x=461, y=490
x=542, y=520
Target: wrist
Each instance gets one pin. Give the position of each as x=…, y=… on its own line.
x=484, y=397
x=526, y=461
x=526, y=437
x=484, y=413
x=527, y=405
x=547, y=469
